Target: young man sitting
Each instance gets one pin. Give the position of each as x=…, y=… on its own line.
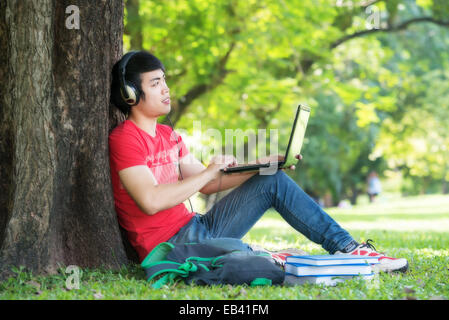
x=149, y=192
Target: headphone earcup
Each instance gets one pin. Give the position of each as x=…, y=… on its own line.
x=132, y=93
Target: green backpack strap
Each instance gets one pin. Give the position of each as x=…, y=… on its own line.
x=261, y=282
x=159, y=253
x=155, y=265
x=182, y=270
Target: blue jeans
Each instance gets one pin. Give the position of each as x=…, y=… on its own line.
x=234, y=215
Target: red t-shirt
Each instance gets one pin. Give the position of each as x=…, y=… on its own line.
x=131, y=146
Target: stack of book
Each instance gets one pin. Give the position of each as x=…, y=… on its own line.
x=328, y=269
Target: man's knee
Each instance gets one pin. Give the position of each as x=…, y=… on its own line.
x=274, y=174
x=271, y=177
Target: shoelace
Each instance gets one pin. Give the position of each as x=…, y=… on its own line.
x=368, y=244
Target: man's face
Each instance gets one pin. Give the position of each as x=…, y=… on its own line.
x=157, y=94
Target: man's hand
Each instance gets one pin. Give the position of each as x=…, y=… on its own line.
x=277, y=158
x=292, y=167
x=220, y=162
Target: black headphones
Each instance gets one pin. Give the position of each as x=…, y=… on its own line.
x=128, y=90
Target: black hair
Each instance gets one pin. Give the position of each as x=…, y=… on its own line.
x=140, y=62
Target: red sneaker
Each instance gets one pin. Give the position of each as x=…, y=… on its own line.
x=386, y=264
x=279, y=257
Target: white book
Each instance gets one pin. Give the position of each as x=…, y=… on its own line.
x=326, y=280
x=341, y=270
x=331, y=260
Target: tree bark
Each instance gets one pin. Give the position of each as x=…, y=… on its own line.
x=56, y=202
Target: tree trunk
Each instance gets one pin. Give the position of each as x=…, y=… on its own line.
x=56, y=202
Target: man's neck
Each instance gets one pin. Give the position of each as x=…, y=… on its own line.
x=146, y=124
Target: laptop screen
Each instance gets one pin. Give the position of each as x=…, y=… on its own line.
x=297, y=136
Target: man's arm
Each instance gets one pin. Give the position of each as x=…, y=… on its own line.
x=191, y=166
x=151, y=197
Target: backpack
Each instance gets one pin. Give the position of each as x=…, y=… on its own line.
x=205, y=264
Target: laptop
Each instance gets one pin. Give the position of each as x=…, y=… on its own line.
x=294, y=146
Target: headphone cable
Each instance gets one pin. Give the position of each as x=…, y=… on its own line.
x=179, y=157
x=180, y=172
x=218, y=191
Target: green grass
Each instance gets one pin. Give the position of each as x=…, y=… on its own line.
x=415, y=228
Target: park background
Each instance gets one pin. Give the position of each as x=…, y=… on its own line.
x=379, y=97
x=375, y=74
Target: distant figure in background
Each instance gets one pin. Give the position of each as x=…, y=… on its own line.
x=374, y=186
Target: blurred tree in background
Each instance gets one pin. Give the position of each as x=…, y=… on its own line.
x=375, y=74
